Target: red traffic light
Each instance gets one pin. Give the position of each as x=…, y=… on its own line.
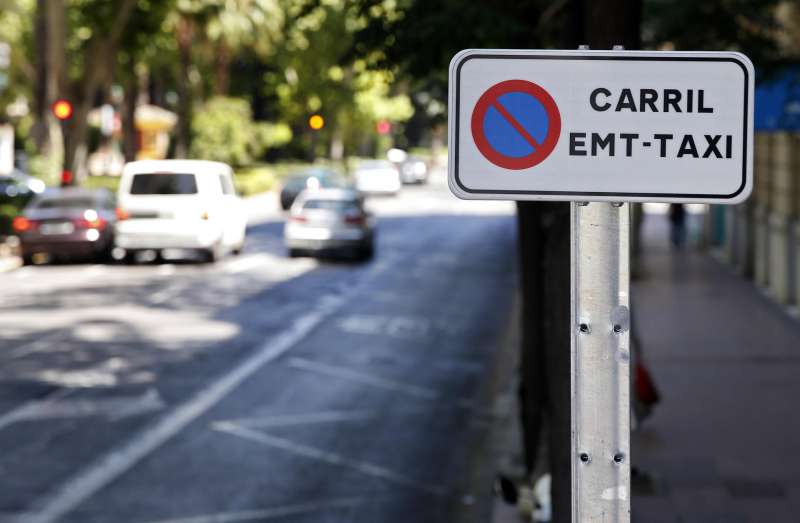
x=383, y=127
x=62, y=109
x=66, y=177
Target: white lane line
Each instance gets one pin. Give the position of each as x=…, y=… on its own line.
x=94, y=270
x=13, y=416
x=24, y=272
x=38, y=344
x=107, y=468
x=112, y=409
x=330, y=458
x=367, y=379
x=333, y=416
x=246, y=263
x=165, y=295
x=167, y=269
x=270, y=513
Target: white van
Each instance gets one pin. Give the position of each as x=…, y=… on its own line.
x=179, y=204
x=377, y=177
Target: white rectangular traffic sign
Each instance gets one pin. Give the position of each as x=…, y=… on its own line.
x=601, y=126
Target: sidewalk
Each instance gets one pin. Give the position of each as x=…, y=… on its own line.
x=723, y=444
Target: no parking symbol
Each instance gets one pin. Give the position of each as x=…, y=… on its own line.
x=516, y=124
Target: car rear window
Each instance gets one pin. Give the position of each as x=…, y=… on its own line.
x=164, y=183
x=65, y=203
x=331, y=205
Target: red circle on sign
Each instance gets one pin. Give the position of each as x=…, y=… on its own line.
x=541, y=150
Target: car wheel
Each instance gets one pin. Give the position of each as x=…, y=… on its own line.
x=27, y=259
x=213, y=254
x=105, y=255
x=366, y=252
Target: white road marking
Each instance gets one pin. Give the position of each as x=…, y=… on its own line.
x=36, y=345
x=367, y=379
x=88, y=481
x=111, y=408
x=165, y=295
x=11, y=417
x=401, y=327
x=166, y=269
x=328, y=457
x=270, y=513
x=333, y=416
x=24, y=272
x=95, y=270
x=246, y=263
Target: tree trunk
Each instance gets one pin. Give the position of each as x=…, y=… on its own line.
x=222, y=71
x=544, y=266
x=50, y=47
x=614, y=22
x=100, y=61
x=130, y=140
x=184, y=128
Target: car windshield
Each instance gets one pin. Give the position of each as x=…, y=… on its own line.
x=331, y=205
x=71, y=202
x=164, y=183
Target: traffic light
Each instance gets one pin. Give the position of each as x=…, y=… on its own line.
x=316, y=122
x=62, y=109
x=383, y=127
x=66, y=178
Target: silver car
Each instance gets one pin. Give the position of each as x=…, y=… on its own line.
x=329, y=220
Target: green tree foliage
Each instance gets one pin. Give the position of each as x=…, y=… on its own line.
x=224, y=131
x=420, y=37
x=749, y=26
x=314, y=72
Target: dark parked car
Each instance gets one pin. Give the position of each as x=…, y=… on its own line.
x=316, y=178
x=16, y=190
x=67, y=223
x=19, y=185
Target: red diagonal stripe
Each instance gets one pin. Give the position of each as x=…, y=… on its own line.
x=516, y=125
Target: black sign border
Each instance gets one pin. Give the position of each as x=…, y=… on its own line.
x=620, y=195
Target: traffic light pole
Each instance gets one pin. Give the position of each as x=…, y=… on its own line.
x=600, y=321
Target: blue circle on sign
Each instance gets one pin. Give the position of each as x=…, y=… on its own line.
x=515, y=124
x=527, y=111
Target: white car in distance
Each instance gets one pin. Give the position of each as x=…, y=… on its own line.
x=329, y=220
x=178, y=205
x=377, y=177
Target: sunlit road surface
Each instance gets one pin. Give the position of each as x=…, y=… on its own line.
x=261, y=388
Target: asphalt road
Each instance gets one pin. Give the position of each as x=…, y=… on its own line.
x=261, y=388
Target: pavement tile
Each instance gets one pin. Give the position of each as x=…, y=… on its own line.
x=651, y=509
x=725, y=360
x=765, y=510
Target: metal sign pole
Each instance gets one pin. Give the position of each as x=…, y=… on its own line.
x=600, y=363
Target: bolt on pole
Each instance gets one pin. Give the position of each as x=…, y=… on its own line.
x=600, y=363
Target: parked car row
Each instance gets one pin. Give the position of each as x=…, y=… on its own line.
x=191, y=205
x=185, y=205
